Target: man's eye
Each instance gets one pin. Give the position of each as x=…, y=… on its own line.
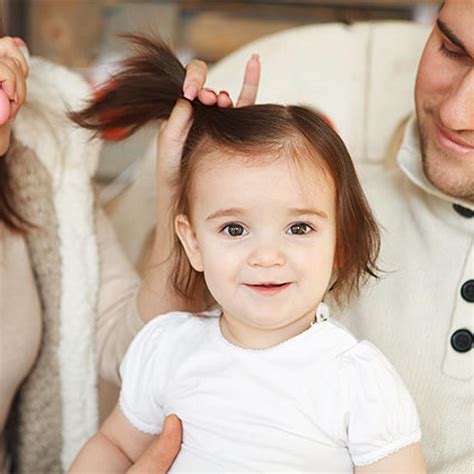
x=450, y=53
x=234, y=230
x=300, y=228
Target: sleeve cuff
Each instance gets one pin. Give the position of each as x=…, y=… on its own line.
x=380, y=453
x=136, y=422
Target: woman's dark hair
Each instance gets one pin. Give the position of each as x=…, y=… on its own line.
x=147, y=88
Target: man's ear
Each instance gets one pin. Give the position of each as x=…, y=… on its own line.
x=187, y=237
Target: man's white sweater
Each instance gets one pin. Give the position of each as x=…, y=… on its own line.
x=417, y=306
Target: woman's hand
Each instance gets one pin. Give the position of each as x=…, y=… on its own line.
x=13, y=73
x=159, y=456
x=173, y=133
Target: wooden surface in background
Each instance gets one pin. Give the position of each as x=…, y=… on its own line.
x=67, y=32
x=73, y=31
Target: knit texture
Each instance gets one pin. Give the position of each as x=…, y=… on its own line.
x=412, y=312
x=53, y=170
x=35, y=423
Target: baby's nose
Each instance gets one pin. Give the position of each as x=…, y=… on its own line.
x=267, y=254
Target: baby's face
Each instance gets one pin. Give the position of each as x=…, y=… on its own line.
x=265, y=237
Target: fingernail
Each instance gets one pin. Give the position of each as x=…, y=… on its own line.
x=191, y=91
x=15, y=97
x=212, y=91
x=255, y=56
x=19, y=42
x=224, y=92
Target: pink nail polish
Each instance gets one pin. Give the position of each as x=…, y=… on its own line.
x=19, y=42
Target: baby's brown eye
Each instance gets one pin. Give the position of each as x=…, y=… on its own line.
x=300, y=229
x=234, y=230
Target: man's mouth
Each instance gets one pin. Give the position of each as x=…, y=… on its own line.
x=452, y=143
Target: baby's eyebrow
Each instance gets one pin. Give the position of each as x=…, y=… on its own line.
x=237, y=211
x=233, y=211
x=304, y=211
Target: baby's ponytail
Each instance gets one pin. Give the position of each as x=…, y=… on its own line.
x=146, y=88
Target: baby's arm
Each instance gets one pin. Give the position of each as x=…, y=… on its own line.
x=408, y=460
x=114, y=448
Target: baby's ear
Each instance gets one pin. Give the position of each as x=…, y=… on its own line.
x=185, y=232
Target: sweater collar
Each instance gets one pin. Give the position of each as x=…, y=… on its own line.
x=410, y=162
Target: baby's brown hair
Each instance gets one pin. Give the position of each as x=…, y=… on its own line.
x=147, y=88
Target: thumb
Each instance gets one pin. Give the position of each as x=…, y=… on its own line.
x=172, y=431
x=159, y=456
x=179, y=122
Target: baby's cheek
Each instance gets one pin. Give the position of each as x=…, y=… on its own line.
x=317, y=264
x=222, y=272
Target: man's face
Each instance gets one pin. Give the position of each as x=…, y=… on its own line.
x=444, y=97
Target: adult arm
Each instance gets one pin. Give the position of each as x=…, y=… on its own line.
x=118, y=318
x=118, y=445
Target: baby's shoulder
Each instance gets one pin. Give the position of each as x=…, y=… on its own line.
x=359, y=366
x=334, y=341
x=352, y=353
x=169, y=329
x=337, y=354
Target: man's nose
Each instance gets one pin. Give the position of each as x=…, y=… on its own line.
x=457, y=108
x=267, y=252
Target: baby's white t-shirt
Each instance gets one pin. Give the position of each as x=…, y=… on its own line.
x=320, y=401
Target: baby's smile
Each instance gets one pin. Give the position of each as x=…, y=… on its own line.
x=268, y=288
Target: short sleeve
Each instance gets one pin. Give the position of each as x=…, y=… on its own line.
x=382, y=415
x=139, y=394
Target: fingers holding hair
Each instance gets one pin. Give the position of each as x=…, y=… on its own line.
x=176, y=128
x=196, y=75
x=171, y=138
x=224, y=100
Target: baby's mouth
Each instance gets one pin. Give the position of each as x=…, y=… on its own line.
x=268, y=287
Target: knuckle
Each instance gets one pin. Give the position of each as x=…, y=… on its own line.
x=8, y=74
x=15, y=62
x=10, y=62
x=8, y=40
